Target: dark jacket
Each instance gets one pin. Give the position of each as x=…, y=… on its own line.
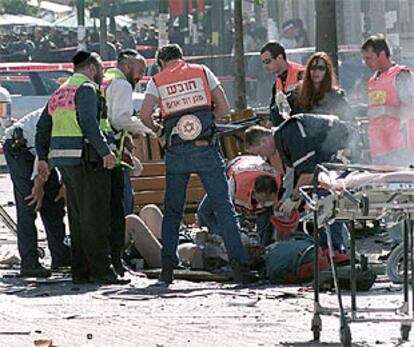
x=88, y=109
x=334, y=102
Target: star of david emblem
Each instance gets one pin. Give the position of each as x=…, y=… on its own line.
x=188, y=127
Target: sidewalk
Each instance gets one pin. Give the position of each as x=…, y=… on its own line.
x=186, y=314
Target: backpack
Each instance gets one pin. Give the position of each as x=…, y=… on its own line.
x=291, y=261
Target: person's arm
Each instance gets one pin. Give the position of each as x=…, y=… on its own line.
x=87, y=112
x=298, y=155
x=121, y=112
x=151, y=100
x=218, y=95
x=221, y=104
x=42, y=142
x=405, y=87
x=43, y=134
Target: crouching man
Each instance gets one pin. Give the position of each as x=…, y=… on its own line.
x=32, y=194
x=254, y=186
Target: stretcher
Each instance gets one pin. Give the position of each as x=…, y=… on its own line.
x=351, y=193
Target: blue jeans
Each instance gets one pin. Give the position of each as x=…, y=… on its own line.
x=181, y=161
x=129, y=196
x=20, y=166
x=207, y=218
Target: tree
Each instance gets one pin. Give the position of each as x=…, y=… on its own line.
x=17, y=7
x=239, y=56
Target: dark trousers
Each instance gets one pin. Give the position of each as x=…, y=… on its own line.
x=117, y=235
x=88, y=190
x=20, y=164
x=129, y=195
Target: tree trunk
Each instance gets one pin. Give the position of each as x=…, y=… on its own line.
x=326, y=39
x=103, y=30
x=80, y=9
x=162, y=23
x=239, y=56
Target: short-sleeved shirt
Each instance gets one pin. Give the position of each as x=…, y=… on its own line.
x=212, y=80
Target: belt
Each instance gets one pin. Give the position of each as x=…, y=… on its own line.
x=201, y=142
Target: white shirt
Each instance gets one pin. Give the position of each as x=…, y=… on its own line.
x=121, y=113
x=28, y=125
x=212, y=80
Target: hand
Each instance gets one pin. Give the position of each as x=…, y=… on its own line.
x=288, y=205
x=109, y=161
x=36, y=197
x=61, y=194
x=43, y=170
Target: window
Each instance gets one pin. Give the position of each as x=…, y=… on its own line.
x=17, y=83
x=51, y=80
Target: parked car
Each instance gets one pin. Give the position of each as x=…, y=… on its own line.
x=31, y=84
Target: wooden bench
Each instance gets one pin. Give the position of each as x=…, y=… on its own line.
x=149, y=188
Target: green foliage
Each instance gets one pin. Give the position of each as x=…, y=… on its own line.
x=17, y=7
x=259, y=2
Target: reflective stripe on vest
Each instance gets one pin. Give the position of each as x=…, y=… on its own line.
x=292, y=78
x=122, y=136
x=385, y=112
x=110, y=75
x=67, y=137
x=244, y=171
x=182, y=87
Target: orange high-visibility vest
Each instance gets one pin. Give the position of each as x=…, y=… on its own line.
x=244, y=172
x=182, y=87
x=384, y=111
x=292, y=79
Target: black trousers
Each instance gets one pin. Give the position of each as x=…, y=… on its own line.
x=117, y=234
x=20, y=164
x=88, y=189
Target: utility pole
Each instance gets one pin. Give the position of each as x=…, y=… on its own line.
x=103, y=29
x=80, y=9
x=162, y=23
x=326, y=39
x=241, y=103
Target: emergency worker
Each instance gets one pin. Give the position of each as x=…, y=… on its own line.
x=70, y=136
x=32, y=194
x=289, y=74
x=390, y=102
x=299, y=144
x=118, y=86
x=190, y=97
x=254, y=186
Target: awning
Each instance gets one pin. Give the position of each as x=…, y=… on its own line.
x=8, y=19
x=50, y=6
x=71, y=21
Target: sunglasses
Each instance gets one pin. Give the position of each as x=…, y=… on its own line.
x=318, y=67
x=267, y=61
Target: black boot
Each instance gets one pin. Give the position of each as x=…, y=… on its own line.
x=242, y=273
x=35, y=270
x=167, y=271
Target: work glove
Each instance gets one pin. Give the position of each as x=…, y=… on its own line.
x=283, y=105
x=288, y=205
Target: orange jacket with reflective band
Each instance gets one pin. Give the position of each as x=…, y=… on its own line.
x=292, y=78
x=385, y=107
x=244, y=172
x=182, y=87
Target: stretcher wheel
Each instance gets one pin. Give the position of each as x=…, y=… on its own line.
x=346, y=338
x=395, y=267
x=316, y=327
x=405, y=332
x=41, y=252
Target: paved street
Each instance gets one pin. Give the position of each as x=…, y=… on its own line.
x=187, y=314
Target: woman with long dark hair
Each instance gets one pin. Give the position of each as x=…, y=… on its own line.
x=319, y=91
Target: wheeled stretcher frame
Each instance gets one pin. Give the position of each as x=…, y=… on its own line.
x=374, y=201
